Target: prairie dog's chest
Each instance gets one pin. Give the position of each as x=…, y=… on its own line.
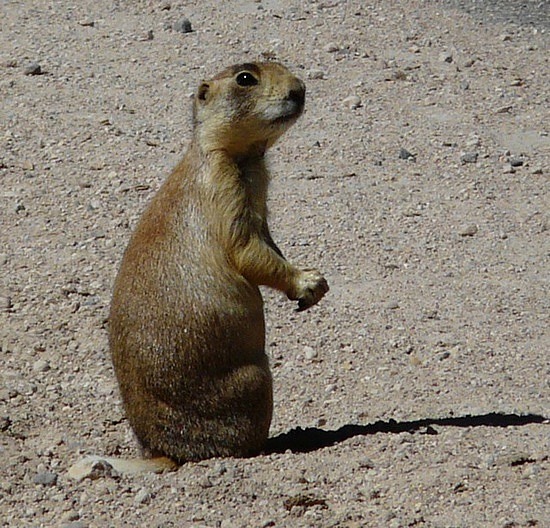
x=255, y=179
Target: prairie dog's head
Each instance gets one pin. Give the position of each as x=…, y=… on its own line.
x=247, y=106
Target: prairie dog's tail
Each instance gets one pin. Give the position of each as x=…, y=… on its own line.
x=95, y=465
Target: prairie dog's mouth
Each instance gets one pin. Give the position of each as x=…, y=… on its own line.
x=287, y=111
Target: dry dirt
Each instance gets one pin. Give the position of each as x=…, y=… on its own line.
x=417, y=392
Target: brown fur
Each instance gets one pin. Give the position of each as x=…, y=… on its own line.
x=186, y=324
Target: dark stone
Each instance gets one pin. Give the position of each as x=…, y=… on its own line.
x=183, y=26
x=45, y=478
x=406, y=155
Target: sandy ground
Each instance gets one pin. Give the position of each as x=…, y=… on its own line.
x=417, y=393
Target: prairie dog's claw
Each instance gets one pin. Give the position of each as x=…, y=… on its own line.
x=311, y=288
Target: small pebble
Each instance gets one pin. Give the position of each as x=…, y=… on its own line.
x=367, y=463
x=86, y=22
x=148, y=36
x=182, y=26
x=5, y=303
x=142, y=496
x=406, y=155
x=414, y=361
x=71, y=516
x=352, y=102
x=41, y=366
x=396, y=523
x=532, y=471
x=534, y=170
x=446, y=57
x=5, y=423
x=315, y=74
x=310, y=352
x=94, y=205
x=504, y=109
x=45, y=478
x=473, y=141
x=468, y=230
x=514, y=458
x=391, y=305
x=205, y=482
x=469, y=157
x=219, y=469
x=516, y=162
x=32, y=69
x=331, y=47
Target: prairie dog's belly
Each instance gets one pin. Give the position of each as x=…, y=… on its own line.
x=182, y=317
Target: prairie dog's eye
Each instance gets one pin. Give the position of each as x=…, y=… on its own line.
x=246, y=79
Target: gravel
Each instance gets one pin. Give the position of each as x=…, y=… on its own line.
x=416, y=393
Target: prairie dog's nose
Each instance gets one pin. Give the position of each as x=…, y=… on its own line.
x=298, y=94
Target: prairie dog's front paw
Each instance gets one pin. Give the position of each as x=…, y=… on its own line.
x=309, y=288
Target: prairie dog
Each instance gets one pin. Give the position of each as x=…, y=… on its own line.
x=187, y=325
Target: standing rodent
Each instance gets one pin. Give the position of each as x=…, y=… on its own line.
x=187, y=325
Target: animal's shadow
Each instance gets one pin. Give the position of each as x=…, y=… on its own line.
x=305, y=440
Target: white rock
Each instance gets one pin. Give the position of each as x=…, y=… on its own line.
x=95, y=466
x=315, y=74
x=309, y=352
x=142, y=496
x=468, y=230
x=352, y=102
x=41, y=365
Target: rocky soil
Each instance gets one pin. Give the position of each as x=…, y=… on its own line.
x=417, y=393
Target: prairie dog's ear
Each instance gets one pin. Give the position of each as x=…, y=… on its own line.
x=202, y=93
